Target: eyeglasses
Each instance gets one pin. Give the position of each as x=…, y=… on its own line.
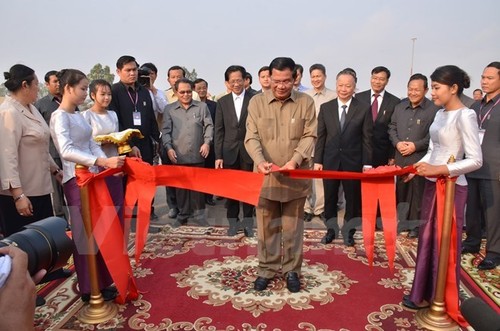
x=184, y=92
x=235, y=82
x=286, y=82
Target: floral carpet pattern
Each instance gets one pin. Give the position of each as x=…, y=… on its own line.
x=197, y=278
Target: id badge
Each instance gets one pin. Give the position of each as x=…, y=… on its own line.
x=481, y=136
x=137, y=118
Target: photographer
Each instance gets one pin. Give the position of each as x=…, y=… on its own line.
x=147, y=77
x=17, y=295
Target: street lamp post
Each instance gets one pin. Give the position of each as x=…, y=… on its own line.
x=412, y=54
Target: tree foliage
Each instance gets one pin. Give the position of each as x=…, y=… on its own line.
x=100, y=72
x=191, y=75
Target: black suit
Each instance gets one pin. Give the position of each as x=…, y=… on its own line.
x=483, y=198
x=348, y=149
x=123, y=104
x=210, y=160
x=229, y=137
x=383, y=149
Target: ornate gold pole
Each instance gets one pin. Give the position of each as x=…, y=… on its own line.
x=435, y=317
x=97, y=311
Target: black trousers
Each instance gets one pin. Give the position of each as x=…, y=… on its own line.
x=233, y=206
x=483, y=205
x=10, y=220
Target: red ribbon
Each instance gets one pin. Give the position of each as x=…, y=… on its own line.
x=451, y=288
x=108, y=233
x=141, y=188
x=377, y=186
x=143, y=178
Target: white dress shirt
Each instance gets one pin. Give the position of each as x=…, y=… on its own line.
x=238, y=103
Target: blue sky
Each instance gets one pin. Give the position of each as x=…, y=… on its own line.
x=211, y=35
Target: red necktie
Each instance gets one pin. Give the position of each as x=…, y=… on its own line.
x=375, y=106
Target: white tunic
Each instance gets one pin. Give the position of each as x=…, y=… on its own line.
x=455, y=133
x=72, y=136
x=103, y=124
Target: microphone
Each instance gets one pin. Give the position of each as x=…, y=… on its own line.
x=480, y=315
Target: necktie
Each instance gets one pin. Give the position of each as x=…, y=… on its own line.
x=342, y=117
x=375, y=106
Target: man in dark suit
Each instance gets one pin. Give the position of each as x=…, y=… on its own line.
x=201, y=87
x=483, y=199
x=409, y=134
x=230, y=153
x=382, y=105
x=344, y=143
x=134, y=108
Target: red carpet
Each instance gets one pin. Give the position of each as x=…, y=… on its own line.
x=194, y=278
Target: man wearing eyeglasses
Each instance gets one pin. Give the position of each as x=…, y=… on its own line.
x=281, y=130
x=186, y=135
x=230, y=153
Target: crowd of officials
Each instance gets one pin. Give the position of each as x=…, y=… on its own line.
x=284, y=125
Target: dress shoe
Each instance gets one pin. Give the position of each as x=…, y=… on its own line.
x=57, y=274
x=329, y=236
x=248, y=231
x=153, y=217
x=349, y=238
x=40, y=301
x=489, y=263
x=232, y=231
x=308, y=217
x=469, y=250
x=172, y=213
x=293, y=282
x=411, y=305
x=210, y=201
x=260, y=283
x=109, y=293
x=413, y=233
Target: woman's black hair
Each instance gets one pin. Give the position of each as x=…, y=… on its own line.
x=69, y=77
x=451, y=75
x=18, y=74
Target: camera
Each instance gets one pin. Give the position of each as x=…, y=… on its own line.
x=144, y=79
x=45, y=242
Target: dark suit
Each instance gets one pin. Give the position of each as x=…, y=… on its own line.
x=483, y=200
x=382, y=146
x=229, y=138
x=124, y=107
x=411, y=124
x=348, y=149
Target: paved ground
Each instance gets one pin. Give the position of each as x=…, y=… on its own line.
x=216, y=214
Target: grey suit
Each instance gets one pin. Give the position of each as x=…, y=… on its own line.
x=411, y=125
x=483, y=200
x=383, y=150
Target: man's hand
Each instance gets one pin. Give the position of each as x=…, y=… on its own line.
x=204, y=150
x=135, y=152
x=264, y=167
x=406, y=148
x=290, y=165
x=172, y=155
x=318, y=166
x=219, y=164
x=17, y=296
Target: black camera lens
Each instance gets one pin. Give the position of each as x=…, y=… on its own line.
x=45, y=242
